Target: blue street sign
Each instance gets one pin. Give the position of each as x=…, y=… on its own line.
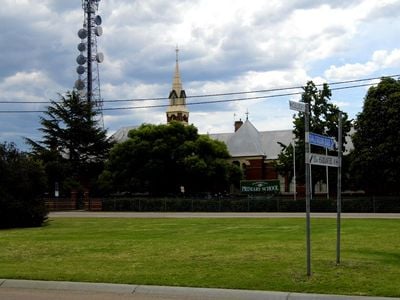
x=321, y=140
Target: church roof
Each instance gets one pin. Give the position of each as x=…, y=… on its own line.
x=177, y=83
x=248, y=141
x=121, y=135
x=270, y=139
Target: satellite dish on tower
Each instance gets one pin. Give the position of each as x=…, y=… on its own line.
x=80, y=70
x=81, y=47
x=98, y=30
x=82, y=33
x=97, y=20
x=79, y=84
x=99, y=57
x=81, y=60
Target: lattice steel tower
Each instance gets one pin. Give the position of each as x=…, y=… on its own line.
x=88, y=83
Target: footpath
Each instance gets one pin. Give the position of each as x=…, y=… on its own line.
x=38, y=290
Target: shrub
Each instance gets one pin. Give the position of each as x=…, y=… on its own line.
x=22, y=182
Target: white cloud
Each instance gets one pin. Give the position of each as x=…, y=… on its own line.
x=380, y=60
x=226, y=46
x=28, y=86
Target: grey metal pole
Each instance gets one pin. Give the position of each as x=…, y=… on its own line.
x=327, y=177
x=339, y=190
x=294, y=170
x=308, y=188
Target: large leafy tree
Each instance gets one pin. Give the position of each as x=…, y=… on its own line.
x=376, y=155
x=74, y=145
x=161, y=158
x=324, y=119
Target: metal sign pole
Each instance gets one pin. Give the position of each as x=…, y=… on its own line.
x=339, y=190
x=308, y=188
x=305, y=108
x=294, y=170
x=327, y=176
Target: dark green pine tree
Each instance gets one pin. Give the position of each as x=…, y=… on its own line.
x=73, y=146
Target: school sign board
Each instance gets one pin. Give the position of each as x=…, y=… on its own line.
x=260, y=186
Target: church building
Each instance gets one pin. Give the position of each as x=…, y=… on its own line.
x=255, y=151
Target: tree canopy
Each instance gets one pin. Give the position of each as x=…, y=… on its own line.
x=74, y=145
x=376, y=155
x=161, y=159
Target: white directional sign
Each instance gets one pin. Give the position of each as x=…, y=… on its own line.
x=321, y=140
x=323, y=160
x=299, y=106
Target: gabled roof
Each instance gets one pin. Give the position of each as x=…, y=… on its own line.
x=121, y=135
x=270, y=139
x=248, y=141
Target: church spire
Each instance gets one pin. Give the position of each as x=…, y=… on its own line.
x=177, y=84
x=177, y=110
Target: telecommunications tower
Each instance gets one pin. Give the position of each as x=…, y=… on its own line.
x=88, y=83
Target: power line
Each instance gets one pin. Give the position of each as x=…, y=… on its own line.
x=255, y=91
x=234, y=99
x=216, y=94
x=206, y=102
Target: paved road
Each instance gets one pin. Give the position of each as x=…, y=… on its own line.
x=85, y=214
x=49, y=290
x=36, y=294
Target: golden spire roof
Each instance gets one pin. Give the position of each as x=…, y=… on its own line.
x=177, y=83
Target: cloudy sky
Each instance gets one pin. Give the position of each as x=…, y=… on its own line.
x=225, y=46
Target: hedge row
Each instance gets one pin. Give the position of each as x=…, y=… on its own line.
x=275, y=204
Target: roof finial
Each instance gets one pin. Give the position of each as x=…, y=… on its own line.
x=247, y=114
x=177, y=51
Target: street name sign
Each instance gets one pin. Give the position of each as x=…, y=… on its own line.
x=323, y=160
x=321, y=140
x=299, y=106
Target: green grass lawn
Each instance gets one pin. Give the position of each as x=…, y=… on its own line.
x=262, y=254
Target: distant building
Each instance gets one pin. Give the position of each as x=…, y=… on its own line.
x=255, y=151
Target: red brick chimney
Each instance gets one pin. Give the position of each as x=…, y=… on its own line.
x=238, y=124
